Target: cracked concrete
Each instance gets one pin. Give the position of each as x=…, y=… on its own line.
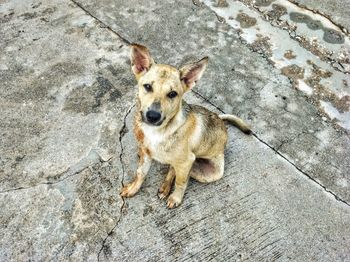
x=335, y=11
x=67, y=103
x=122, y=132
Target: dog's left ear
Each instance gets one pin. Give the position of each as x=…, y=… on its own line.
x=191, y=73
x=141, y=60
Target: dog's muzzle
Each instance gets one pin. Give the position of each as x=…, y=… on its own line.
x=153, y=118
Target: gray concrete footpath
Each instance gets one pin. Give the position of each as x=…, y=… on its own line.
x=67, y=147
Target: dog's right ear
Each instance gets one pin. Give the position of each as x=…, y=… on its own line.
x=141, y=60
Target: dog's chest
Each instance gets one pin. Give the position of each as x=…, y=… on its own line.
x=158, y=143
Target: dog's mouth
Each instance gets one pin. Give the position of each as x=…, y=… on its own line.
x=160, y=122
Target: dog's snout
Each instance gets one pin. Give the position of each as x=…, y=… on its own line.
x=153, y=116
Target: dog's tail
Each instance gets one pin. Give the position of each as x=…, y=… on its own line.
x=236, y=121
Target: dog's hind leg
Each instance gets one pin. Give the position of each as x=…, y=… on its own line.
x=208, y=170
x=165, y=188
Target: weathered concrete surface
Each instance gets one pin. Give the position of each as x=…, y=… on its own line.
x=66, y=104
x=267, y=211
x=280, y=115
x=65, y=88
x=336, y=10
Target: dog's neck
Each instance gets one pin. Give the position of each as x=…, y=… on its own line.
x=177, y=120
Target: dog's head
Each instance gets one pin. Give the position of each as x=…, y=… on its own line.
x=161, y=87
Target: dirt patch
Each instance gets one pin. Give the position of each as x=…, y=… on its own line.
x=262, y=45
x=293, y=71
x=245, y=20
x=88, y=99
x=314, y=47
x=263, y=2
x=49, y=10
x=36, y=5
x=322, y=93
x=299, y=18
x=28, y=16
x=289, y=55
x=38, y=88
x=344, y=59
x=333, y=36
x=221, y=3
x=344, y=104
x=314, y=25
x=6, y=18
x=276, y=12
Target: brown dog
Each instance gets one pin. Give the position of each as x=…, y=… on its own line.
x=189, y=138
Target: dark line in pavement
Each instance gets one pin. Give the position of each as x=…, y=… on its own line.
x=122, y=132
x=63, y=175
x=104, y=25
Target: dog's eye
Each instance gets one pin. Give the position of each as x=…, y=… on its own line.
x=148, y=87
x=172, y=94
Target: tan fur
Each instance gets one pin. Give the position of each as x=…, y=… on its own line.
x=190, y=138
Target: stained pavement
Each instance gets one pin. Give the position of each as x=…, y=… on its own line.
x=67, y=101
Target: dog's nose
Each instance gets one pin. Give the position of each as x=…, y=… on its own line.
x=153, y=116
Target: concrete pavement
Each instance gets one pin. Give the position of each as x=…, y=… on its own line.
x=67, y=101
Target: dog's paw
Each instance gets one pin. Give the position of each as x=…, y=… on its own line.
x=129, y=190
x=174, y=201
x=162, y=195
x=164, y=190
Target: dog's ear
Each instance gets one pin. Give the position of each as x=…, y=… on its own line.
x=141, y=60
x=191, y=73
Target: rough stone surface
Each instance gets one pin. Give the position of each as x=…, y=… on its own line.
x=66, y=146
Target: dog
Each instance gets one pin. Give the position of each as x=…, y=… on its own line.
x=189, y=138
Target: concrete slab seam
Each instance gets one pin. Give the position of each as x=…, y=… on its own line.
x=104, y=25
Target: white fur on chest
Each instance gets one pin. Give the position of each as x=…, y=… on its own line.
x=153, y=138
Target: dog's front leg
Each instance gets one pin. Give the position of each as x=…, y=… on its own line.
x=165, y=188
x=144, y=165
x=182, y=171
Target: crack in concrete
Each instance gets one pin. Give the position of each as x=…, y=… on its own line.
x=280, y=154
x=290, y=140
x=122, y=132
x=103, y=24
x=92, y=158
